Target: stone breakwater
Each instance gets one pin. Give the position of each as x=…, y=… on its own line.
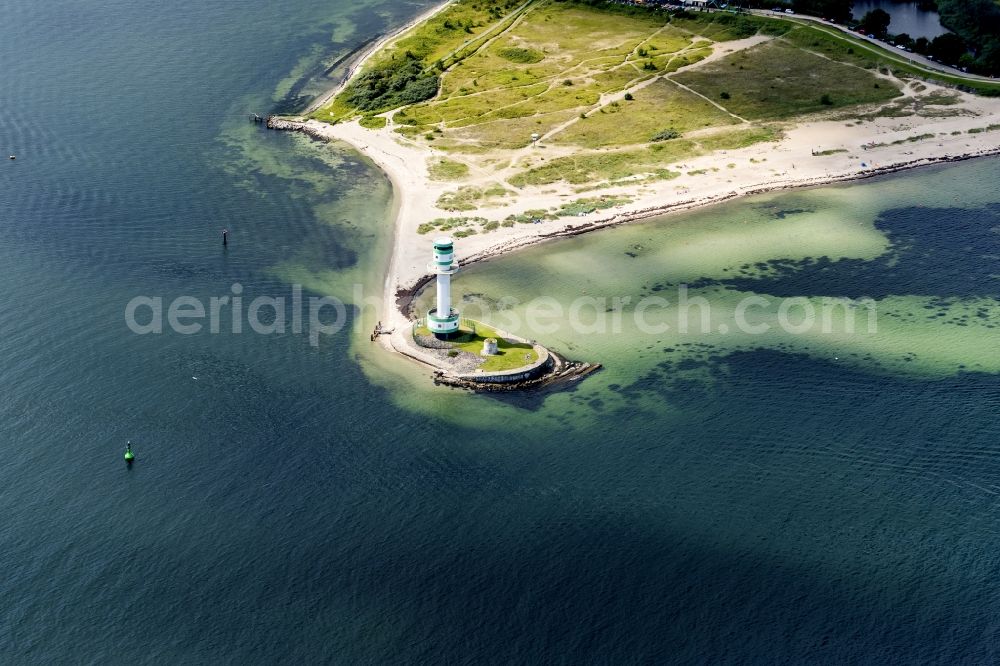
x=550, y=368
x=554, y=371
x=291, y=125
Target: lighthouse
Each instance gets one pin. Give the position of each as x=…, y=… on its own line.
x=442, y=321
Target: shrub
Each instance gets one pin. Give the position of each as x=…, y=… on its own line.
x=392, y=85
x=825, y=100
x=629, y=97
x=665, y=135
x=775, y=28
x=738, y=26
x=445, y=169
x=724, y=95
x=521, y=55
x=372, y=122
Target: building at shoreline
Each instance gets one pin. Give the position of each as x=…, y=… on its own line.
x=442, y=320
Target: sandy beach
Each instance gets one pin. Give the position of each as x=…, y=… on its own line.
x=824, y=149
x=791, y=162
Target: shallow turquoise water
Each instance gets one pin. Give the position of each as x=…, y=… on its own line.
x=704, y=498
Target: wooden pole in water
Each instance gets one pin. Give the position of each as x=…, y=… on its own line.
x=225, y=236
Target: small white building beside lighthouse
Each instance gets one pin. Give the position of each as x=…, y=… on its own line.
x=443, y=320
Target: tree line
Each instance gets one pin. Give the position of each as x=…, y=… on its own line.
x=973, y=44
x=977, y=23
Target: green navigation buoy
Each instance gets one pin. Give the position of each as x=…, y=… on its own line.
x=129, y=456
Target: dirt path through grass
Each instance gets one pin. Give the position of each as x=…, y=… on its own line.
x=720, y=49
x=710, y=101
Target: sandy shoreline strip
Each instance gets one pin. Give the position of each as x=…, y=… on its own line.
x=822, y=150
x=415, y=194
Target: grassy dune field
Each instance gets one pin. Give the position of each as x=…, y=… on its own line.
x=608, y=94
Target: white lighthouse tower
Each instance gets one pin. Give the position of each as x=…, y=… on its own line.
x=443, y=320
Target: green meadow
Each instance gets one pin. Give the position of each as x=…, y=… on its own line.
x=617, y=94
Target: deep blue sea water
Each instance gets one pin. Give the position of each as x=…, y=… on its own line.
x=694, y=503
